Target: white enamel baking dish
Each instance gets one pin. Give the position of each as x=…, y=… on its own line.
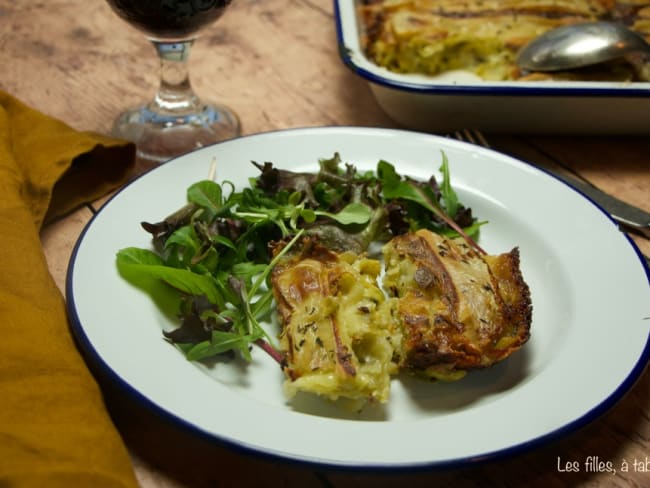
x=459, y=100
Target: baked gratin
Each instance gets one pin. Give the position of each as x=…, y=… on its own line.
x=335, y=335
x=443, y=309
x=455, y=309
x=484, y=36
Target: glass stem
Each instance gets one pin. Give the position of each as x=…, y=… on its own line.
x=175, y=94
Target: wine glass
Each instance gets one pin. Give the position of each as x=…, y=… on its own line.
x=176, y=120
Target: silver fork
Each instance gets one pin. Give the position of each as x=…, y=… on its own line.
x=629, y=218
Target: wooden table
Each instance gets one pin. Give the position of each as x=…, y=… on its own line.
x=276, y=63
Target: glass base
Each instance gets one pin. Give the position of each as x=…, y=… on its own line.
x=161, y=137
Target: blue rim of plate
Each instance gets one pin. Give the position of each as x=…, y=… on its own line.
x=487, y=89
x=101, y=369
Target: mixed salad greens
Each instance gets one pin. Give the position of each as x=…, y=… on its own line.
x=214, y=252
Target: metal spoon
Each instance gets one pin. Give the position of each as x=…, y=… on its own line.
x=578, y=45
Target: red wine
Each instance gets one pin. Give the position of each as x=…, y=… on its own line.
x=169, y=19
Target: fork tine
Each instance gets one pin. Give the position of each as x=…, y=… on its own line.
x=472, y=136
x=481, y=139
x=469, y=136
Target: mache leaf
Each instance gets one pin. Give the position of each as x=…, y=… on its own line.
x=352, y=213
x=207, y=194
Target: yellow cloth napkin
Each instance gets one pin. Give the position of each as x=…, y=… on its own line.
x=54, y=428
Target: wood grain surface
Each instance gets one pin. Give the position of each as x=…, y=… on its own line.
x=276, y=63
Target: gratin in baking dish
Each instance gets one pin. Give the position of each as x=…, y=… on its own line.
x=460, y=100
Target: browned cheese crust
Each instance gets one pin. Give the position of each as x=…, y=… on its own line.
x=457, y=309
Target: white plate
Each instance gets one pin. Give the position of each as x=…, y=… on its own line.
x=459, y=100
x=590, y=326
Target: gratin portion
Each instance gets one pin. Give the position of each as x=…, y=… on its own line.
x=336, y=339
x=456, y=309
x=483, y=36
